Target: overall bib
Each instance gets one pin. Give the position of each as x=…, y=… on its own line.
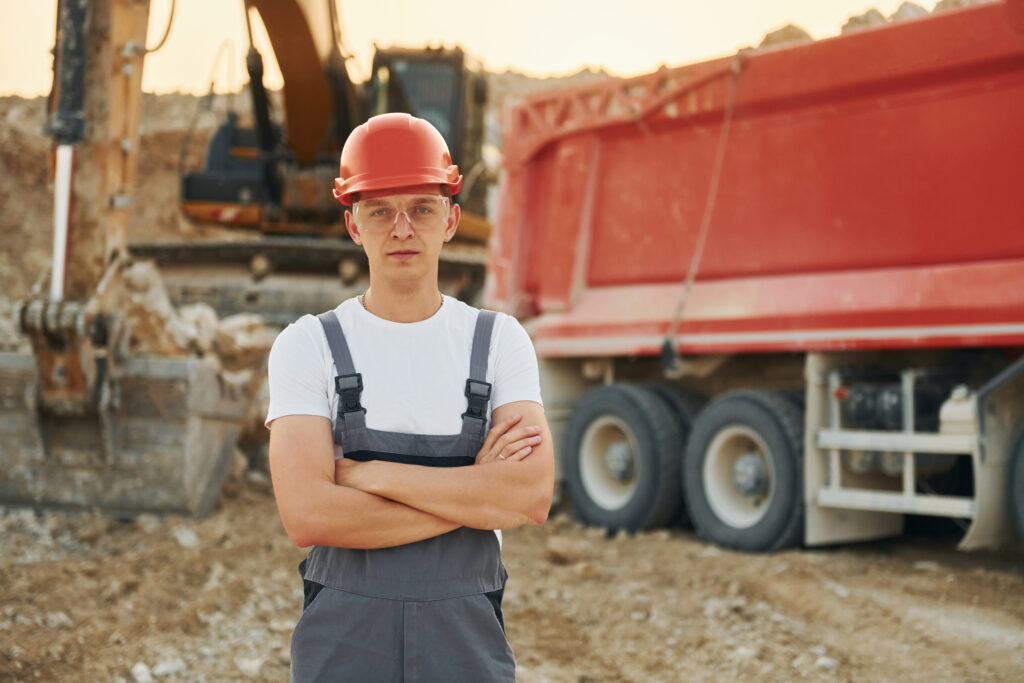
x=424, y=611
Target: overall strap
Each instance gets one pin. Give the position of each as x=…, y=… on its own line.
x=478, y=390
x=348, y=383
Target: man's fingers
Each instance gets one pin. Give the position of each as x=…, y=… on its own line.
x=520, y=454
x=516, y=447
x=498, y=430
x=506, y=442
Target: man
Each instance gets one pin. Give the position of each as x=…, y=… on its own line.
x=380, y=451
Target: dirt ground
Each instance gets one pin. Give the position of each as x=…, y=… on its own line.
x=85, y=597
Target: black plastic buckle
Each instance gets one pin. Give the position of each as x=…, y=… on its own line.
x=477, y=395
x=350, y=388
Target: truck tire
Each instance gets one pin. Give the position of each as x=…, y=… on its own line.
x=685, y=405
x=743, y=472
x=622, y=462
x=1016, y=483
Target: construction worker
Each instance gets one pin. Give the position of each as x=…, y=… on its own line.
x=406, y=430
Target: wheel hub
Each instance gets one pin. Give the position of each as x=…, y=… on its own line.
x=610, y=467
x=738, y=476
x=619, y=461
x=749, y=476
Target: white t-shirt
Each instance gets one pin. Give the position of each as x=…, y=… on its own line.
x=414, y=374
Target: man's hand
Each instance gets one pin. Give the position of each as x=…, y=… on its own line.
x=505, y=441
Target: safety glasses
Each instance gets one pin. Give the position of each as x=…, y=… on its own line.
x=421, y=211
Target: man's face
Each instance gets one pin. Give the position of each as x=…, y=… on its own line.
x=402, y=229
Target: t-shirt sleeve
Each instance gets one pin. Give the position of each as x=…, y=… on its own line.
x=516, y=377
x=297, y=376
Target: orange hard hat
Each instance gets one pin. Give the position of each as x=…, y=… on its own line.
x=394, y=150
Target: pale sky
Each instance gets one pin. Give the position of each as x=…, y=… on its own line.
x=536, y=37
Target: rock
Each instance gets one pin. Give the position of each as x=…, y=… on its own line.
x=239, y=467
x=249, y=666
x=242, y=340
x=154, y=328
x=185, y=537
x=862, y=21
x=585, y=570
x=818, y=650
x=216, y=572
x=839, y=589
x=258, y=479
x=202, y=320
x=141, y=673
x=282, y=625
x=926, y=566
x=745, y=652
x=93, y=529
x=147, y=523
x=826, y=663
x=564, y=550
x=956, y=4
x=908, y=10
x=169, y=666
x=58, y=620
x=790, y=33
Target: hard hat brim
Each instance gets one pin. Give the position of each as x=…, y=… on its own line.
x=365, y=182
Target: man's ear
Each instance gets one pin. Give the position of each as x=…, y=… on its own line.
x=350, y=225
x=453, y=222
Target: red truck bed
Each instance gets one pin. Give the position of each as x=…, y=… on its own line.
x=866, y=198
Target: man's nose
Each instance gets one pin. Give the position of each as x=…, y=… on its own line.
x=403, y=226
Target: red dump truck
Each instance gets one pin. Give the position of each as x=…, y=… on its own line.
x=781, y=294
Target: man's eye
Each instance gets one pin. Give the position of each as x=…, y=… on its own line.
x=423, y=210
x=380, y=212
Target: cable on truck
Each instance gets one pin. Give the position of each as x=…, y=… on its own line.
x=670, y=349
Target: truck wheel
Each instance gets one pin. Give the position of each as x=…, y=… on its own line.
x=685, y=406
x=743, y=472
x=622, y=462
x=1016, y=492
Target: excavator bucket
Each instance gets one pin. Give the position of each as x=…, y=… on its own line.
x=160, y=439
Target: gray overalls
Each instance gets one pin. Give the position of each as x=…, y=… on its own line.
x=425, y=611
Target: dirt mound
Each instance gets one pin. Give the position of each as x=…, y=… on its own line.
x=24, y=194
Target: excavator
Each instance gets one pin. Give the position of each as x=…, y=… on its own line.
x=276, y=179
x=86, y=421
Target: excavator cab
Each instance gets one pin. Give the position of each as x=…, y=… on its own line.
x=236, y=182
x=278, y=177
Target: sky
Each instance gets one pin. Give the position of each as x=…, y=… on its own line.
x=535, y=37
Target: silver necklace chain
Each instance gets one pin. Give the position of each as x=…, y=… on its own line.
x=362, y=300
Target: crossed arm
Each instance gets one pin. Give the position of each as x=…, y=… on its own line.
x=381, y=504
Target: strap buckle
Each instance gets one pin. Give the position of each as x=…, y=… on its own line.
x=349, y=388
x=477, y=395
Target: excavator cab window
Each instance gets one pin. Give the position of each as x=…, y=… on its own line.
x=427, y=85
